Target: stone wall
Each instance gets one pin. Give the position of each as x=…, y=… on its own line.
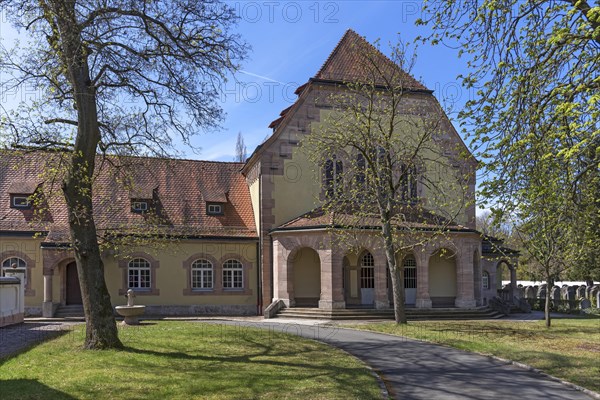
x=12, y=304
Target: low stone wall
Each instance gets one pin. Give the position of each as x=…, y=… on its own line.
x=12, y=309
x=199, y=310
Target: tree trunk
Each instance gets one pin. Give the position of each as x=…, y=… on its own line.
x=398, y=294
x=395, y=274
x=101, y=328
x=549, y=284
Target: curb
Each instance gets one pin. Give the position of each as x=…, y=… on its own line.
x=527, y=367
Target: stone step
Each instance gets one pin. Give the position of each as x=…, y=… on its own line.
x=370, y=314
x=69, y=311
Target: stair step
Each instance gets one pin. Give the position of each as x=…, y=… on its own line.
x=69, y=311
x=370, y=314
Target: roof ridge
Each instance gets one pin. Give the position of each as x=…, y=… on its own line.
x=341, y=64
x=21, y=152
x=335, y=49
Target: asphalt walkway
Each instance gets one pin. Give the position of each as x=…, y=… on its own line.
x=17, y=338
x=418, y=370
x=410, y=369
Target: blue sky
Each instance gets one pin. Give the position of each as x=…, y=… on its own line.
x=290, y=41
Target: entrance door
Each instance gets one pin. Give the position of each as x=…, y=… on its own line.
x=410, y=281
x=73, y=288
x=367, y=280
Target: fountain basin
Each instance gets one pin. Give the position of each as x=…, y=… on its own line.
x=130, y=313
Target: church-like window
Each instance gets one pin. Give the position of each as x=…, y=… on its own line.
x=333, y=176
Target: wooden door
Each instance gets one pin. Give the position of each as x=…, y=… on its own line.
x=73, y=288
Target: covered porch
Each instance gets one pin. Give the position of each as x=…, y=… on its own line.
x=313, y=269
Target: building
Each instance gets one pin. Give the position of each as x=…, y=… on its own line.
x=241, y=235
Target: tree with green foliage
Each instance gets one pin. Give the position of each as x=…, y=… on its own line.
x=387, y=168
x=534, y=72
x=114, y=77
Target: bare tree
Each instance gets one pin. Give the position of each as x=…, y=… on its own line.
x=115, y=77
x=387, y=162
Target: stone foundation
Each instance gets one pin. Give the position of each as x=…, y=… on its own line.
x=12, y=319
x=199, y=310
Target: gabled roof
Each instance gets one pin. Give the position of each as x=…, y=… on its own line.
x=178, y=189
x=348, y=63
x=342, y=66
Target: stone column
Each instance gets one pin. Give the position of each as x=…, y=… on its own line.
x=381, y=294
x=513, y=281
x=282, y=275
x=464, y=279
x=332, y=292
x=422, y=258
x=47, y=306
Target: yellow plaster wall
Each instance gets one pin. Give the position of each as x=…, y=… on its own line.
x=449, y=199
x=172, y=278
x=297, y=190
x=442, y=276
x=307, y=274
x=30, y=246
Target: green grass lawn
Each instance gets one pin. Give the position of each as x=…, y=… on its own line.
x=185, y=360
x=569, y=350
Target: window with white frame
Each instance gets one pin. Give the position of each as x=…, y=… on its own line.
x=485, y=280
x=139, y=206
x=138, y=272
x=367, y=271
x=410, y=273
x=14, y=262
x=214, y=209
x=233, y=275
x=18, y=201
x=202, y=274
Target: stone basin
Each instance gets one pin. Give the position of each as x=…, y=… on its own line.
x=130, y=313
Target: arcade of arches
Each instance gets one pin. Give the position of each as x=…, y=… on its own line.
x=312, y=270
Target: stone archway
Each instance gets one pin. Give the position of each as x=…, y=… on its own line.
x=442, y=278
x=72, y=287
x=306, y=277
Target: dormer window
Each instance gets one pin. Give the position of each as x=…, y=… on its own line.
x=214, y=209
x=139, y=206
x=20, y=201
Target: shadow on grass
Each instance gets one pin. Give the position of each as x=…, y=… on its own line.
x=17, y=339
x=265, y=359
x=16, y=389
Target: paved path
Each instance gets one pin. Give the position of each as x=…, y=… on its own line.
x=16, y=338
x=420, y=370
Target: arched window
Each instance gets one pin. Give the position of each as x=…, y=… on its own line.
x=14, y=262
x=410, y=273
x=485, y=280
x=202, y=274
x=367, y=271
x=409, y=183
x=360, y=167
x=233, y=275
x=138, y=272
x=333, y=176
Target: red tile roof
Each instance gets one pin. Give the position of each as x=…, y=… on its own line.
x=180, y=190
x=352, y=60
x=408, y=217
x=344, y=64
